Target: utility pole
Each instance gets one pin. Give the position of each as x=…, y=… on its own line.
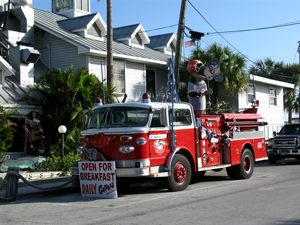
x=179, y=42
x=110, y=74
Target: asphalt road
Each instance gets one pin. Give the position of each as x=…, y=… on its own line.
x=270, y=196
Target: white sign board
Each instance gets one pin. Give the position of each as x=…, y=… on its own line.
x=98, y=179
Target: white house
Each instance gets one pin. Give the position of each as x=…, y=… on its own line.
x=269, y=93
x=71, y=35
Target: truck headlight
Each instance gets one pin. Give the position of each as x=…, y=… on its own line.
x=126, y=149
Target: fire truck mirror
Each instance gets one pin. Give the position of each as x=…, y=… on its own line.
x=274, y=133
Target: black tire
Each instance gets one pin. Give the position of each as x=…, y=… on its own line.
x=123, y=184
x=181, y=174
x=197, y=176
x=272, y=159
x=243, y=170
x=246, y=168
x=231, y=172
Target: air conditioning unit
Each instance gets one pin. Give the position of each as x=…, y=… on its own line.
x=30, y=55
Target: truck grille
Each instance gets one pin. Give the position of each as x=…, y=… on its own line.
x=286, y=143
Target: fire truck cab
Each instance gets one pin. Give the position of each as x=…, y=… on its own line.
x=165, y=140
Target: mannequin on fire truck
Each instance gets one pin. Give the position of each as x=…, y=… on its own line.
x=197, y=88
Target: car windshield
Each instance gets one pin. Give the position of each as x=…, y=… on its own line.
x=290, y=129
x=108, y=117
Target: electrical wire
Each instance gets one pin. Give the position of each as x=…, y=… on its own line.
x=228, y=41
x=219, y=32
x=255, y=29
x=141, y=32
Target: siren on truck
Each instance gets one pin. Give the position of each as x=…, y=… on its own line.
x=98, y=101
x=146, y=98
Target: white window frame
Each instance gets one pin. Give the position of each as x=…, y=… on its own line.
x=272, y=97
x=83, y=1
x=250, y=93
x=121, y=61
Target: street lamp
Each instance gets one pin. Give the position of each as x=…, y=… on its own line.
x=62, y=129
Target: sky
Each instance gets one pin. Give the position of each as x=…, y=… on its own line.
x=207, y=16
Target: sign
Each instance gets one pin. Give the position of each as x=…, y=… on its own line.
x=212, y=70
x=98, y=179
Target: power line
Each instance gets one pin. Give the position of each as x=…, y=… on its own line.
x=141, y=32
x=255, y=29
x=228, y=41
x=219, y=32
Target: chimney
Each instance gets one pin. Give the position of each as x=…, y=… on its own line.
x=23, y=11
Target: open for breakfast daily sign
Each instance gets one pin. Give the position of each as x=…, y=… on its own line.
x=97, y=179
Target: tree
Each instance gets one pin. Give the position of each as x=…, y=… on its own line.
x=63, y=96
x=266, y=68
x=232, y=67
x=291, y=73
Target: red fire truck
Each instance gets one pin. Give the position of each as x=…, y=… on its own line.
x=144, y=141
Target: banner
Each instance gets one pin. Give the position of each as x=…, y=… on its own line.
x=98, y=179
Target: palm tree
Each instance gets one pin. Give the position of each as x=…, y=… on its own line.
x=266, y=68
x=291, y=73
x=232, y=67
x=63, y=96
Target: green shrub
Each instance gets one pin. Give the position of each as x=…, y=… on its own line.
x=6, y=129
x=55, y=163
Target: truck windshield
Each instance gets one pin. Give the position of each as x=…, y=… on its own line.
x=293, y=129
x=118, y=117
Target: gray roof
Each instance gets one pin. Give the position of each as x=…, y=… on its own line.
x=76, y=22
x=159, y=40
x=11, y=92
x=49, y=22
x=124, y=32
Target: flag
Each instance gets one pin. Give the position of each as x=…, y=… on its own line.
x=189, y=43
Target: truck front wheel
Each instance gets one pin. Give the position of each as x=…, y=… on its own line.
x=181, y=174
x=272, y=159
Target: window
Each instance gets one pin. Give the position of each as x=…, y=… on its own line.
x=157, y=118
x=138, y=38
x=83, y=5
x=94, y=31
x=150, y=82
x=250, y=93
x=106, y=117
x=61, y=5
x=182, y=117
x=119, y=76
x=273, y=98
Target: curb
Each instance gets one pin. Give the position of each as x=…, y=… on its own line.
x=33, y=176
